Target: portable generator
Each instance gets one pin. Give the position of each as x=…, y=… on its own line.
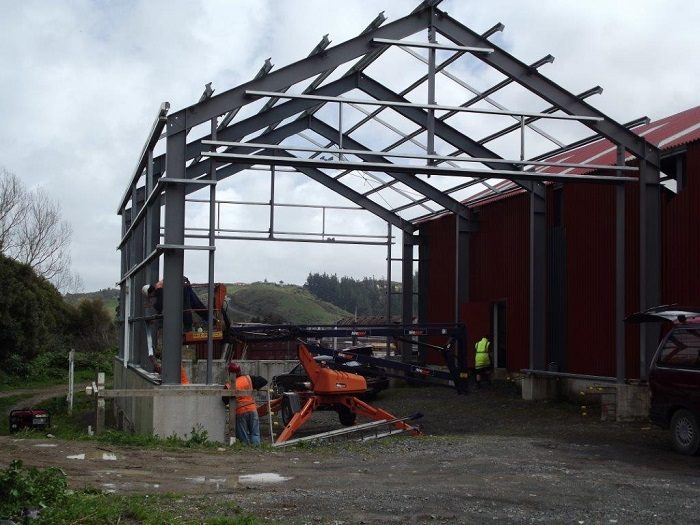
x=34, y=418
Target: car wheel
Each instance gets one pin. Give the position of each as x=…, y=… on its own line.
x=685, y=432
x=346, y=416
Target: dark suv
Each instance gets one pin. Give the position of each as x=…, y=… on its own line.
x=674, y=383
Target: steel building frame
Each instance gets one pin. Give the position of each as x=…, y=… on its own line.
x=168, y=179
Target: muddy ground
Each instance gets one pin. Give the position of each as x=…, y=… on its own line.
x=485, y=458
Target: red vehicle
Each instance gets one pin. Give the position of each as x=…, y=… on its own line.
x=674, y=377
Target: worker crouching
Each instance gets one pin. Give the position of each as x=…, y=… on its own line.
x=247, y=421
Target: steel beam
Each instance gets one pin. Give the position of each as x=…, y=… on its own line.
x=301, y=70
x=151, y=141
x=350, y=194
x=419, y=116
x=409, y=180
x=431, y=45
x=384, y=154
x=261, y=120
x=298, y=163
x=462, y=268
x=542, y=86
x=439, y=107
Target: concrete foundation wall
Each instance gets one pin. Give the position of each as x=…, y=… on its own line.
x=182, y=409
x=618, y=402
x=134, y=414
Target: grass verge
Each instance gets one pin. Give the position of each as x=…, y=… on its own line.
x=92, y=508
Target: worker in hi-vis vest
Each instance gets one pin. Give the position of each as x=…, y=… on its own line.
x=247, y=422
x=482, y=360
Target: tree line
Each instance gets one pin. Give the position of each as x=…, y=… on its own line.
x=366, y=296
x=38, y=327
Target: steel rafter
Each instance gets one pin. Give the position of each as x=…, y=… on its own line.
x=409, y=180
x=544, y=87
x=298, y=71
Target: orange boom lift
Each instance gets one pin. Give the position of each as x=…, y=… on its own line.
x=334, y=388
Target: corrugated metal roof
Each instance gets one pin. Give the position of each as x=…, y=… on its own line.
x=667, y=133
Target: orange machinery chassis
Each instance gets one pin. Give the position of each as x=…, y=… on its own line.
x=332, y=387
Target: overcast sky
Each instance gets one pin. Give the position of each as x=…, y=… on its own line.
x=80, y=83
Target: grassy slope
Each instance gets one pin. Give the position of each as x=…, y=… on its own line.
x=109, y=296
x=289, y=302
x=292, y=303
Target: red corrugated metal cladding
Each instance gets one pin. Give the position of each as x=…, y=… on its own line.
x=499, y=272
x=680, y=262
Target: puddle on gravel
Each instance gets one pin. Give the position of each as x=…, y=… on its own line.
x=263, y=477
x=46, y=445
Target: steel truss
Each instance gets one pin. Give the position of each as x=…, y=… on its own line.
x=189, y=166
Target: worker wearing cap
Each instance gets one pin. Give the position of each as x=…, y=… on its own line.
x=482, y=360
x=247, y=422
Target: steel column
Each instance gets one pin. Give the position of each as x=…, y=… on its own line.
x=649, y=255
x=210, y=276
x=173, y=259
x=407, y=291
x=462, y=229
x=137, y=241
x=620, y=273
x=389, y=286
x=538, y=275
x=430, y=123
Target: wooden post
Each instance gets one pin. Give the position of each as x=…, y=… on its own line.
x=71, y=379
x=232, y=421
x=100, y=412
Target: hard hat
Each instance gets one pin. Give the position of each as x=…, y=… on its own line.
x=234, y=368
x=145, y=289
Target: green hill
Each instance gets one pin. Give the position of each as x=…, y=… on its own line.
x=279, y=303
x=109, y=296
x=258, y=302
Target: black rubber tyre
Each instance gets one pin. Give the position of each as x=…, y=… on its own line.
x=346, y=416
x=685, y=432
x=286, y=413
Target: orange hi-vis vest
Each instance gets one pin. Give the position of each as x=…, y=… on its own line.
x=244, y=403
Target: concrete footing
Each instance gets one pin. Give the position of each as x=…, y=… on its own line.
x=183, y=408
x=537, y=388
x=618, y=402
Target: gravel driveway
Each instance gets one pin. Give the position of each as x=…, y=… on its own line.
x=486, y=458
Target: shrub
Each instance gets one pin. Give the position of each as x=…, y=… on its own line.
x=30, y=488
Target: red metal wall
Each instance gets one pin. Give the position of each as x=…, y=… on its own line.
x=499, y=272
x=680, y=262
x=499, y=267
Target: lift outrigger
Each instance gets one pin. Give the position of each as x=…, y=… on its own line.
x=337, y=389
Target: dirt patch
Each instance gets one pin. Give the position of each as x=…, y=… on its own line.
x=487, y=457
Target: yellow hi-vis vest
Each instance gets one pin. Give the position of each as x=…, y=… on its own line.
x=482, y=359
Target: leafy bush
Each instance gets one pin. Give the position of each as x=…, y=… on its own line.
x=34, y=319
x=30, y=488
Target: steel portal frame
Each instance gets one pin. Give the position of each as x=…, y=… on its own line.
x=167, y=180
